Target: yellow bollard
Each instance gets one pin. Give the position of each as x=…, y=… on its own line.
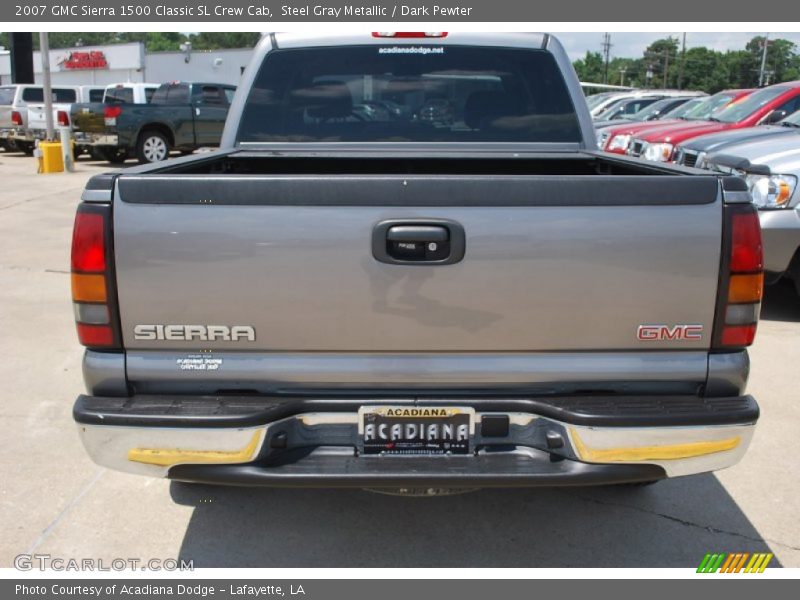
x=51, y=161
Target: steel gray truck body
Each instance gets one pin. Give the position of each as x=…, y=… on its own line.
x=406, y=267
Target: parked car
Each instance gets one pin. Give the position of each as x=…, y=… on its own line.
x=693, y=152
x=595, y=99
x=660, y=109
x=626, y=107
x=180, y=116
x=407, y=303
x=771, y=167
x=767, y=105
x=617, y=138
x=611, y=98
x=117, y=93
x=63, y=97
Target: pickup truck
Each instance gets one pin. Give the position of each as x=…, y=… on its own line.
x=115, y=93
x=452, y=290
x=179, y=116
x=694, y=152
x=771, y=167
x=15, y=103
x=35, y=128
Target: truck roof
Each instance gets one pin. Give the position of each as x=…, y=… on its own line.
x=467, y=38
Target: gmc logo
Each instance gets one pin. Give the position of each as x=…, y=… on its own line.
x=653, y=333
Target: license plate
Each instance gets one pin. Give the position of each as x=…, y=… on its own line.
x=419, y=430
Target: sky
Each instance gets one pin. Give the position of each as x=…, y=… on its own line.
x=632, y=45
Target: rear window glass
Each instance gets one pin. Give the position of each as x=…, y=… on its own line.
x=148, y=94
x=33, y=95
x=208, y=94
x=119, y=95
x=175, y=93
x=409, y=94
x=63, y=95
x=96, y=95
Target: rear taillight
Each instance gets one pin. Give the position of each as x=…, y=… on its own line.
x=409, y=34
x=93, y=289
x=110, y=114
x=16, y=118
x=742, y=279
x=63, y=118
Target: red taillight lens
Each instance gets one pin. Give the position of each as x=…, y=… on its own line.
x=112, y=112
x=746, y=253
x=95, y=335
x=63, y=118
x=739, y=335
x=742, y=279
x=16, y=118
x=93, y=290
x=88, y=243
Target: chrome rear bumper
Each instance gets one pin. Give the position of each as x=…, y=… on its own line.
x=314, y=441
x=95, y=139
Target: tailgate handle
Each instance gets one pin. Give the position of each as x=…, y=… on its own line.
x=417, y=233
x=423, y=242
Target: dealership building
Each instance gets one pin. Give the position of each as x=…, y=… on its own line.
x=122, y=63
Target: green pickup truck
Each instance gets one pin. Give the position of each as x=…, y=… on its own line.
x=181, y=116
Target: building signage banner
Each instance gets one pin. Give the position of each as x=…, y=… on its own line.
x=77, y=60
x=260, y=13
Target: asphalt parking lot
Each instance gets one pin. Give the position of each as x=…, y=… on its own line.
x=56, y=501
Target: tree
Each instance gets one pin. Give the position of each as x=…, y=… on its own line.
x=208, y=40
x=662, y=58
x=780, y=55
x=705, y=70
x=156, y=41
x=590, y=68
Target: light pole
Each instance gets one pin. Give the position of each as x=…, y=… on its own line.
x=765, y=45
x=44, y=46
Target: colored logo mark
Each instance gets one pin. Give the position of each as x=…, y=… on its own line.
x=737, y=562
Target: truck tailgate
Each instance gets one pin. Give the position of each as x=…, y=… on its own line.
x=551, y=263
x=37, y=115
x=88, y=118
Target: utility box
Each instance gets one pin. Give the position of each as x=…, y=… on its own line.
x=51, y=159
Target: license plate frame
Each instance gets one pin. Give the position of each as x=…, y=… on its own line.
x=434, y=431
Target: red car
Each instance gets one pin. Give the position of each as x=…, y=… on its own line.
x=763, y=106
x=617, y=138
